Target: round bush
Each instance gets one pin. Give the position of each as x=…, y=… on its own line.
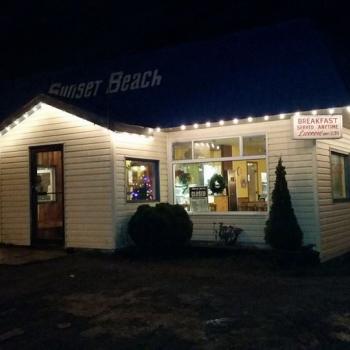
x=160, y=228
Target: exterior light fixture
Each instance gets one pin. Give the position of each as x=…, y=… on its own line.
x=158, y=129
x=250, y=119
x=195, y=125
x=150, y=130
x=314, y=112
x=221, y=122
x=235, y=121
x=331, y=110
x=266, y=117
x=297, y=114
x=348, y=108
x=183, y=127
x=207, y=124
x=282, y=116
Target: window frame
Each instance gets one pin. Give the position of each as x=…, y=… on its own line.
x=156, y=178
x=346, y=157
x=220, y=159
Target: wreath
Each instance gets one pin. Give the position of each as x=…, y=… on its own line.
x=217, y=183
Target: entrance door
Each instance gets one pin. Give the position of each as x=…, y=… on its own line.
x=47, y=195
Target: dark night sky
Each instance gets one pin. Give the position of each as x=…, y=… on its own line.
x=39, y=36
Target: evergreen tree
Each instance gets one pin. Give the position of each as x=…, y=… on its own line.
x=282, y=230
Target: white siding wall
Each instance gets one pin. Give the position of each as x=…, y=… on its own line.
x=334, y=217
x=87, y=178
x=298, y=158
x=135, y=147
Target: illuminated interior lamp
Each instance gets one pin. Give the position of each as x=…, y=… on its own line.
x=158, y=129
x=221, y=122
x=266, y=117
x=331, y=110
x=250, y=119
x=314, y=112
x=235, y=121
x=183, y=127
x=207, y=124
x=195, y=125
x=282, y=116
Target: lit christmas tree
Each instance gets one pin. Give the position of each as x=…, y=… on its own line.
x=143, y=190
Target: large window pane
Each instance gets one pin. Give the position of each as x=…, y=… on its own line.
x=339, y=175
x=217, y=148
x=142, y=180
x=182, y=150
x=245, y=184
x=254, y=145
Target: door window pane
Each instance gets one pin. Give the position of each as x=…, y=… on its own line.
x=254, y=145
x=217, y=148
x=142, y=180
x=339, y=175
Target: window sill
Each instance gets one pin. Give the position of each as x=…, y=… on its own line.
x=143, y=201
x=232, y=213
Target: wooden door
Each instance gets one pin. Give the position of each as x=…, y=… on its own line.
x=47, y=195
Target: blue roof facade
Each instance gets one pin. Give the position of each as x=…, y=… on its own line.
x=282, y=68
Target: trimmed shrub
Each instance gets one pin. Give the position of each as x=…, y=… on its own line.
x=161, y=228
x=282, y=230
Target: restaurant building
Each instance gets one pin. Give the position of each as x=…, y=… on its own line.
x=72, y=176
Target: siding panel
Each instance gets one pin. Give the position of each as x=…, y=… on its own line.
x=87, y=177
x=334, y=217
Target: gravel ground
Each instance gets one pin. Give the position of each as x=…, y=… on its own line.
x=201, y=300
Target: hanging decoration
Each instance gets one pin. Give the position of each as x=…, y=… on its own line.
x=217, y=184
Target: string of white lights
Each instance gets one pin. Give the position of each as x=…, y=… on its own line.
x=207, y=124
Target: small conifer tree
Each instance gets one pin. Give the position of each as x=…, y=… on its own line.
x=282, y=230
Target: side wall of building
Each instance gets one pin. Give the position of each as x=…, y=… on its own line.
x=87, y=178
x=140, y=147
x=334, y=217
x=299, y=159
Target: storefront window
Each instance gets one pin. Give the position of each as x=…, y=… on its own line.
x=217, y=148
x=339, y=169
x=218, y=183
x=241, y=185
x=142, y=180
